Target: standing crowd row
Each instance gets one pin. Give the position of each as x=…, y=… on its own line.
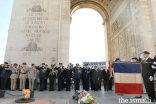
x=18, y=77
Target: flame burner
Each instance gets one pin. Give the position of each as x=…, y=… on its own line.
x=26, y=98
x=23, y=100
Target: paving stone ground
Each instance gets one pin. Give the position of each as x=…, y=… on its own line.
x=103, y=97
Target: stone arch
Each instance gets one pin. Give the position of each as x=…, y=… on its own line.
x=103, y=12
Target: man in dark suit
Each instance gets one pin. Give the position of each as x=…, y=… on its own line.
x=5, y=74
x=86, y=77
x=99, y=77
x=95, y=78
x=147, y=63
x=91, y=77
x=77, y=76
x=106, y=76
x=68, y=75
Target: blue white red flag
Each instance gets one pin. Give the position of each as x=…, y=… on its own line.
x=127, y=78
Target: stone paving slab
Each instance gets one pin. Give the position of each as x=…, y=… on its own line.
x=103, y=97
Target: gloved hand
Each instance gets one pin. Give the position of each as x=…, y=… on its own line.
x=153, y=67
x=151, y=78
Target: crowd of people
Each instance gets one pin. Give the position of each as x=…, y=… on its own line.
x=18, y=77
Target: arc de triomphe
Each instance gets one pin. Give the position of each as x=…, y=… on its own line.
x=40, y=29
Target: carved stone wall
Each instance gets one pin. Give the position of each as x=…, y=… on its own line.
x=124, y=45
x=126, y=32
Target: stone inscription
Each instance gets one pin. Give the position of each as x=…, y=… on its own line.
x=35, y=26
x=124, y=45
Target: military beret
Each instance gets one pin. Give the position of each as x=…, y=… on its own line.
x=43, y=63
x=146, y=52
x=134, y=58
x=5, y=62
x=117, y=59
x=24, y=63
x=15, y=64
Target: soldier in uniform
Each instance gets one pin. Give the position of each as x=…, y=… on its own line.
x=15, y=73
x=4, y=75
x=0, y=74
x=36, y=79
x=52, y=77
x=68, y=75
x=23, y=75
x=77, y=76
x=55, y=68
x=46, y=77
x=42, y=75
x=32, y=75
x=86, y=77
x=147, y=63
x=60, y=76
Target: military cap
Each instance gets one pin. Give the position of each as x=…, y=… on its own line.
x=146, y=52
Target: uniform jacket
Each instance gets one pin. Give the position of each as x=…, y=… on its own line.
x=146, y=67
x=15, y=72
x=52, y=75
x=77, y=73
x=42, y=72
x=60, y=72
x=86, y=73
x=32, y=73
x=23, y=73
x=5, y=72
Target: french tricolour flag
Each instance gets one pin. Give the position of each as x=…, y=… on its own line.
x=127, y=78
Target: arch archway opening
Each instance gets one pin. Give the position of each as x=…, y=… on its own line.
x=87, y=36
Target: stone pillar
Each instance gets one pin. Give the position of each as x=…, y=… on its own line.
x=65, y=33
x=152, y=11
x=148, y=40
x=105, y=40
